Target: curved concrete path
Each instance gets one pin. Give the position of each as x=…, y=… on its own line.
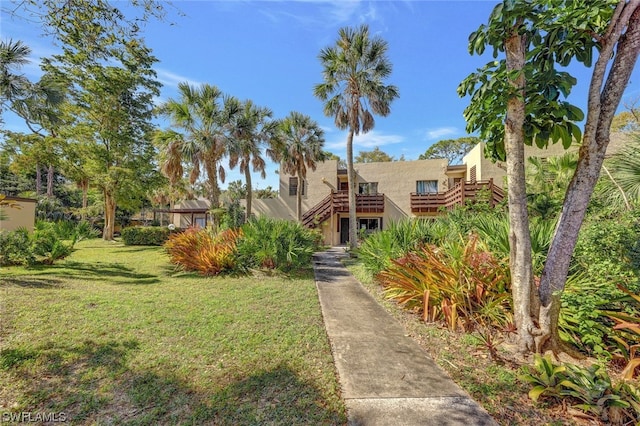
x=386, y=377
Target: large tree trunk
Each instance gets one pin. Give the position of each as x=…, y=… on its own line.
x=519, y=238
x=351, y=182
x=109, y=215
x=601, y=109
x=50, y=177
x=299, y=198
x=247, y=178
x=214, y=189
x=38, y=180
x=84, y=186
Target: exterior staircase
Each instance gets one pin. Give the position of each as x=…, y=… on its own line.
x=338, y=202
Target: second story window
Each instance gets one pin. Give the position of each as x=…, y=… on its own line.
x=293, y=186
x=368, y=188
x=427, y=186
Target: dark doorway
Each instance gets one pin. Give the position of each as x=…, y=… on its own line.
x=344, y=230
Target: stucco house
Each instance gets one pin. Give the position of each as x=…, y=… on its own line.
x=23, y=214
x=387, y=192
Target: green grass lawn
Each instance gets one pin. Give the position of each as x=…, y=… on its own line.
x=113, y=335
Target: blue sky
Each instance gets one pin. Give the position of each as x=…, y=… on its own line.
x=267, y=51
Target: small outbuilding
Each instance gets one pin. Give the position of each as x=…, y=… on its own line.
x=19, y=213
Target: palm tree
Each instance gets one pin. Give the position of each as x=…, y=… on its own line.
x=12, y=56
x=200, y=113
x=250, y=128
x=622, y=184
x=547, y=182
x=301, y=147
x=354, y=71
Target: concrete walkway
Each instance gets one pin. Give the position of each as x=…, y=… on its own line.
x=386, y=377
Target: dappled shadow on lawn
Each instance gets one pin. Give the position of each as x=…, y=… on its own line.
x=31, y=282
x=136, y=249
x=113, y=273
x=95, y=382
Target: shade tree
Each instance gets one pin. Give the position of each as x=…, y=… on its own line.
x=518, y=100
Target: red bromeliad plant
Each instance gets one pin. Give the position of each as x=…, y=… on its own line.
x=199, y=250
x=461, y=283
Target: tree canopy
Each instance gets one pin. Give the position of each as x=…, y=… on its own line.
x=374, y=156
x=451, y=149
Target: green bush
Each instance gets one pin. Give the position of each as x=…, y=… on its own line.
x=16, y=248
x=589, y=389
x=145, y=235
x=380, y=248
x=276, y=244
x=48, y=246
x=609, y=250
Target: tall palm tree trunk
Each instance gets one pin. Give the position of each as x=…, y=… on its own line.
x=351, y=182
x=247, y=178
x=299, y=198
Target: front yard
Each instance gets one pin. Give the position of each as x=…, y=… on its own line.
x=113, y=335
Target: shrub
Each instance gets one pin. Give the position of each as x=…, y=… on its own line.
x=380, y=248
x=607, y=250
x=15, y=248
x=48, y=246
x=589, y=389
x=203, y=251
x=459, y=282
x=145, y=235
x=277, y=244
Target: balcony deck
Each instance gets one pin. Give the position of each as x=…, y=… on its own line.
x=459, y=195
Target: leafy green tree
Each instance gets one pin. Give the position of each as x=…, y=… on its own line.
x=267, y=192
x=374, y=156
x=627, y=121
x=302, y=142
x=535, y=37
x=354, y=72
x=331, y=156
x=111, y=87
x=236, y=190
x=251, y=128
x=451, y=149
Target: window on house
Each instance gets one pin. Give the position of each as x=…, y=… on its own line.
x=427, y=186
x=472, y=174
x=293, y=186
x=368, y=188
x=369, y=224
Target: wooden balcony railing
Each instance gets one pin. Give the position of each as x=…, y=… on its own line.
x=459, y=195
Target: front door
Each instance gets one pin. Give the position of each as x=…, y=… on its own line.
x=344, y=230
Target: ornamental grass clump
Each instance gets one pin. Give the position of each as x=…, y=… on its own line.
x=204, y=251
x=459, y=282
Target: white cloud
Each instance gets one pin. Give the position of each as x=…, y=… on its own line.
x=337, y=12
x=170, y=79
x=366, y=140
x=440, y=132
